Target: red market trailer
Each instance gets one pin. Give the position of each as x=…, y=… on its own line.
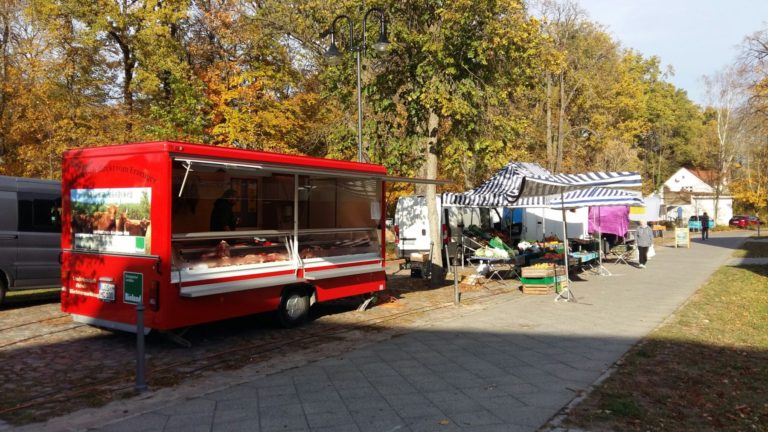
x=200, y=233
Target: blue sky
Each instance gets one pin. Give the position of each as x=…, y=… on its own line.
x=695, y=37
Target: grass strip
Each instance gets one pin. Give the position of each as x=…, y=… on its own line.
x=752, y=249
x=706, y=369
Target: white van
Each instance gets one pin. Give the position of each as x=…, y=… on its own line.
x=411, y=224
x=30, y=234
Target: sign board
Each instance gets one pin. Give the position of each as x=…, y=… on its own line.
x=133, y=287
x=112, y=220
x=682, y=237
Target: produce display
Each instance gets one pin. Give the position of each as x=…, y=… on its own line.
x=490, y=252
x=552, y=256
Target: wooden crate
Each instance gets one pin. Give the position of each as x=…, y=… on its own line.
x=539, y=289
x=529, y=272
x=537, y=272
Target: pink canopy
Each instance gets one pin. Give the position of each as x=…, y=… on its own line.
x=609, y=220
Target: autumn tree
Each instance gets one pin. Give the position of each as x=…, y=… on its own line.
x=452, y=65
x=750, y=177
x=725, y=97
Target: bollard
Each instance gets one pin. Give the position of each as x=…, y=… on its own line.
x=141, y=385
x=456, y=296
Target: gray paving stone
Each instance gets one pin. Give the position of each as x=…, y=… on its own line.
x=287, y=416
x=433, y=424
x=430, y=385
x=532, y=417
x=339, y=428
x=326, y=419
x=358, y=393
x=189, y=406
x=277, y=390
x=396, y=400
x=505, y=427
x=245, y=404
x=245, y=425
x=234, y=393
x=236, y=415
x=144, y=422
x=501, y=403
x=424, y=409
x=329, y=394
x=473, y=419
x=269, y=400
x=188, y=428
x=518, y=389
x=274, y=380
x=324, y=406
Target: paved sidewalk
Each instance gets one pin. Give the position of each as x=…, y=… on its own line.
x=508, y=367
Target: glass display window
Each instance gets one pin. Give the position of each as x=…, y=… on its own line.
x=332, y=202
x=227, y=217
x=204, y=254
x=317, y=245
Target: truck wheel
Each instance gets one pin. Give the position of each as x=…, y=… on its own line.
x=294, y=307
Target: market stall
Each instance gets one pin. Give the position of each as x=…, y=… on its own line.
x=521, y=180
x=613, y=203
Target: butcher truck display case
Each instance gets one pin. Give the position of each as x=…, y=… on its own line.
x=199, y=233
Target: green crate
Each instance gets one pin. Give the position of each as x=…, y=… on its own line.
x=537, y=281
x=558, y=281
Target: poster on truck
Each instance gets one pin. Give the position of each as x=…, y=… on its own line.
x=112, y=220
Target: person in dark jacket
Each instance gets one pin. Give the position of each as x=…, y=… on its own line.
x=644, y=242
x=704, y=226
x=223, y=216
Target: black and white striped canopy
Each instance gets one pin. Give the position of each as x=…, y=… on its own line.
x=519, y=180
x=598, y=197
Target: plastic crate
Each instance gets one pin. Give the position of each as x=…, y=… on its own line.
x=560, y=279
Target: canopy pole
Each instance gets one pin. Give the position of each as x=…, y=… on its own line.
x=602, y=271
x=565, y=293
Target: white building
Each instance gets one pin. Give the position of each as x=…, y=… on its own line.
x=685, y=194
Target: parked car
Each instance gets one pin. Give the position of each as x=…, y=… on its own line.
x=30, y=234
x=695, y=224
x=744, y=221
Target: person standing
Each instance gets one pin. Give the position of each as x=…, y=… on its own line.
x=644, y=242
x=223, y=216
x=704, y=226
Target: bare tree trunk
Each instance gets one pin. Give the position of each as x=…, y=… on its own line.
x=129, y=63
x=550, y=144
x=432, y=211
x=723, y=164
x=561, y=125
x=4, y=58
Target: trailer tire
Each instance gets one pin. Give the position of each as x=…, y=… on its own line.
x=294, y=306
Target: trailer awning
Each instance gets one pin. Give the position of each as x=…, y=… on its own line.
x=267, y=168
x=415, y=180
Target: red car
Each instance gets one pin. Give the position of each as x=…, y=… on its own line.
x=744, y=221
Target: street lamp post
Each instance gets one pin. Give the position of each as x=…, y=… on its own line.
x=358, y=46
